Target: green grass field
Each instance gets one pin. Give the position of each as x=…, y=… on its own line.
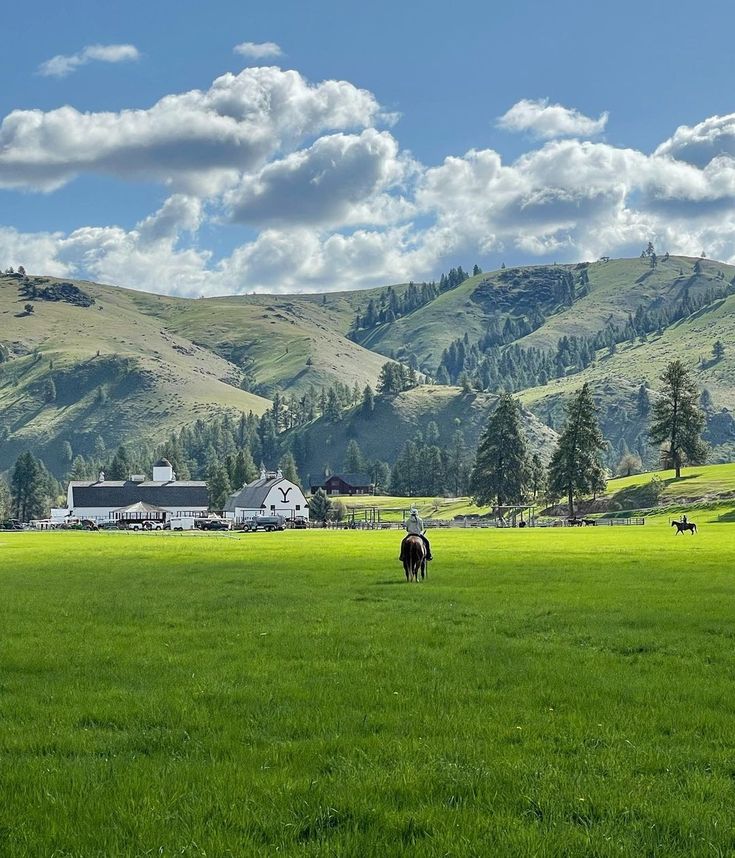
x=545, y=692
x=698, y=481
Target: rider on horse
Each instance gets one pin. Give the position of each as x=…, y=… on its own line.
x=414, y=525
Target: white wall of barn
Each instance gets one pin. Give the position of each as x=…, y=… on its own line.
x=290, y=506
x=100, y=513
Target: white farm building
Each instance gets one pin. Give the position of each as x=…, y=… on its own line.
x=160, y=499
x=270, y=494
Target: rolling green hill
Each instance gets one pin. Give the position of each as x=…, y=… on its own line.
x=397, y=419
x=128, y=365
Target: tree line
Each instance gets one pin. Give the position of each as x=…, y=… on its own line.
x=504, y=473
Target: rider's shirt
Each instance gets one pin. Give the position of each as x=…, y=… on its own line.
x=415, y=525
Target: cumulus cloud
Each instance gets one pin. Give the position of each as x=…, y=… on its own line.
x=334, y=202
x=547, y=121
x=258, y=50
x=699, y=144
x=63, y=64
x=197, y=142
x=340, y=179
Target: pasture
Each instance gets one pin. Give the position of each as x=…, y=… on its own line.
x=546, y=692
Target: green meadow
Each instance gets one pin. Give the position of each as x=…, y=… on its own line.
x=546, y=692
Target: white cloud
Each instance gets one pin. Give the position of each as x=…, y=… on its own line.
x=258, y=50
x=197, y=142
x=336, y=203
x=63, y=64
x=339, y=180
x=699, y=144
x=547, y=121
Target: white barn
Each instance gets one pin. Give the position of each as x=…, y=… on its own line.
x=164, y=495
x=270, y=494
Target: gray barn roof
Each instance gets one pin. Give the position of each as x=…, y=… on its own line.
x=116, y=494
x=254, y=494
x=351, y=479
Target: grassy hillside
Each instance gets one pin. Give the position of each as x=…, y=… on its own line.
x=132, y=365
x=700, y=483
x=615, y=379
x=136, y=365
x=397, y=419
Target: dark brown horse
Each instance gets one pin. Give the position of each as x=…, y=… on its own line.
x=414, y=558
x=683, y=526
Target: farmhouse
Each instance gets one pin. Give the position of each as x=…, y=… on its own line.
x=159, y=499
x=346, y=484
x=270, y=494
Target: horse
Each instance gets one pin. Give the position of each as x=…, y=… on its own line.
x=683, y=526
x=414, y=558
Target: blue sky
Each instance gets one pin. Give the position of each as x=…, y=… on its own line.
x=589, y=160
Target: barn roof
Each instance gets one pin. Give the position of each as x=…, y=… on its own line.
x=352, y=479
x=253, y=495
x=116, y=494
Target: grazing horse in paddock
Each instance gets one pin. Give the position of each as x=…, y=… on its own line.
x=414, y=558
x=683, y=526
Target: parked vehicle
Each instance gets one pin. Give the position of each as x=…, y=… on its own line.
x=11, y=524
x=153, y=525
x=267, y=522
x=213, y=524
x=299, y=523
x=109, y=525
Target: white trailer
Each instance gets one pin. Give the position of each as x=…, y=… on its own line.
x=182, y=522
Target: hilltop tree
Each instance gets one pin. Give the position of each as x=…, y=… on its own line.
x=319, y=506
x=677, y=421
x=630, y=463
x=501, y=471
x=576, y=467
x=28, y=486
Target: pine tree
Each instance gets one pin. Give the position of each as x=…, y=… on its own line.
x=218, y=485
x=244, y=471
x=677, y=421
x=718, y=350
x=319, y=506
x=5, y=505
x=457, y=463
x=643, y=402
x=28, y=488
x=49, y=391
x=576, y=468
x=332, y=412
x=501, y=472
x=537, y=476
x=122, y=466
x=354, y=460
x=288, y=468
x=368, y=401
